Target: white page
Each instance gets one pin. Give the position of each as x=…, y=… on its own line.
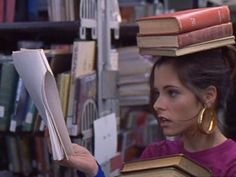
x=32, y=71
x=57, y=152
x=52, y=102
x=33, y=68
x=105, y=132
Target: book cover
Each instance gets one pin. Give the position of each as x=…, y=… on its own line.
x=37, y=76
x=161, y=172
x=188, y=38
x=184, y=21
x=177, y=161
x=173, y=51
x=85, y=89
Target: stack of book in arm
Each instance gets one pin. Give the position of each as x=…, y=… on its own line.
x=177, y=165
x=188, y=31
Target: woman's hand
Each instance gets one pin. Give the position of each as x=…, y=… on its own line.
x=82, y=160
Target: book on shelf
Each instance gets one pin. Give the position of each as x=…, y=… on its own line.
x=184, y=21
x=63, y=83
x=188, y=38
x=177, y=165
x=31, y=112
x=134, y=100
x=134, y=89
x=174, y=51
x=83, y=62
x=33, y=67
x=25, y=155
x=20, y=108
x=85, y=89
x=8, y=86
x=13, y=154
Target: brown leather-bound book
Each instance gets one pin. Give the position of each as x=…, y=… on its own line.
x=184, y=21
x=188, y=38
x=177, y=165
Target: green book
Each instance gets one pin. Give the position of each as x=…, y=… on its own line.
x=8, y=84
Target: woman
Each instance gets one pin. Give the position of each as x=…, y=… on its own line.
x=189, y=96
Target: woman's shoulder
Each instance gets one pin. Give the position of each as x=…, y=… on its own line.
x=162, y=148
x=230, y=145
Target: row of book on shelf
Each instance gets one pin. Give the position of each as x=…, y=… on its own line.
x=28, y=155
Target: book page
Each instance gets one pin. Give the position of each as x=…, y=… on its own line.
x=53, y=106
x=33, y=68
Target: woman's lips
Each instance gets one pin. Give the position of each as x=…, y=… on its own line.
x=164, y=121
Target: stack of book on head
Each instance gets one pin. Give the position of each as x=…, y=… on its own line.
x=183, y=32
x=171, y=166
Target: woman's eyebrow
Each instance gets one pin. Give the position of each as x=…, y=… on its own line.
x=170, y=86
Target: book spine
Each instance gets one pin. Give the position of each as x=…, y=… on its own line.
x=205, y=34
x=197, y=19
x=8, y=85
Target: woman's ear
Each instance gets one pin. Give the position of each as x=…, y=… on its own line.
x=210, y=95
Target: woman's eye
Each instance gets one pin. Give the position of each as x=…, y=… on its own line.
x=173, y=93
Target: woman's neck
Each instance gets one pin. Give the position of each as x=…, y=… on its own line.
x=199, y=141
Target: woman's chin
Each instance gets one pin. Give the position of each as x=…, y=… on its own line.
x=169, y=133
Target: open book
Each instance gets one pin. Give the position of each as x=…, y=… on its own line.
x=37, y=76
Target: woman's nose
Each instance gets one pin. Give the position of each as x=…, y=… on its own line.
x=158, y=104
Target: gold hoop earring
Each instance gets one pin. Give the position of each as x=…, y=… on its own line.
x=212, y=123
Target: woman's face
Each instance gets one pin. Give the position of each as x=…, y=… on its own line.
x=176, y=106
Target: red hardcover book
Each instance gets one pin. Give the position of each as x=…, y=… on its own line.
x=184, y=39
x=184, y=21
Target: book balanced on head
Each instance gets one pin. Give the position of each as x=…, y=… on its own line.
x=177, y=165
x=33, y=67
x=184, y=32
